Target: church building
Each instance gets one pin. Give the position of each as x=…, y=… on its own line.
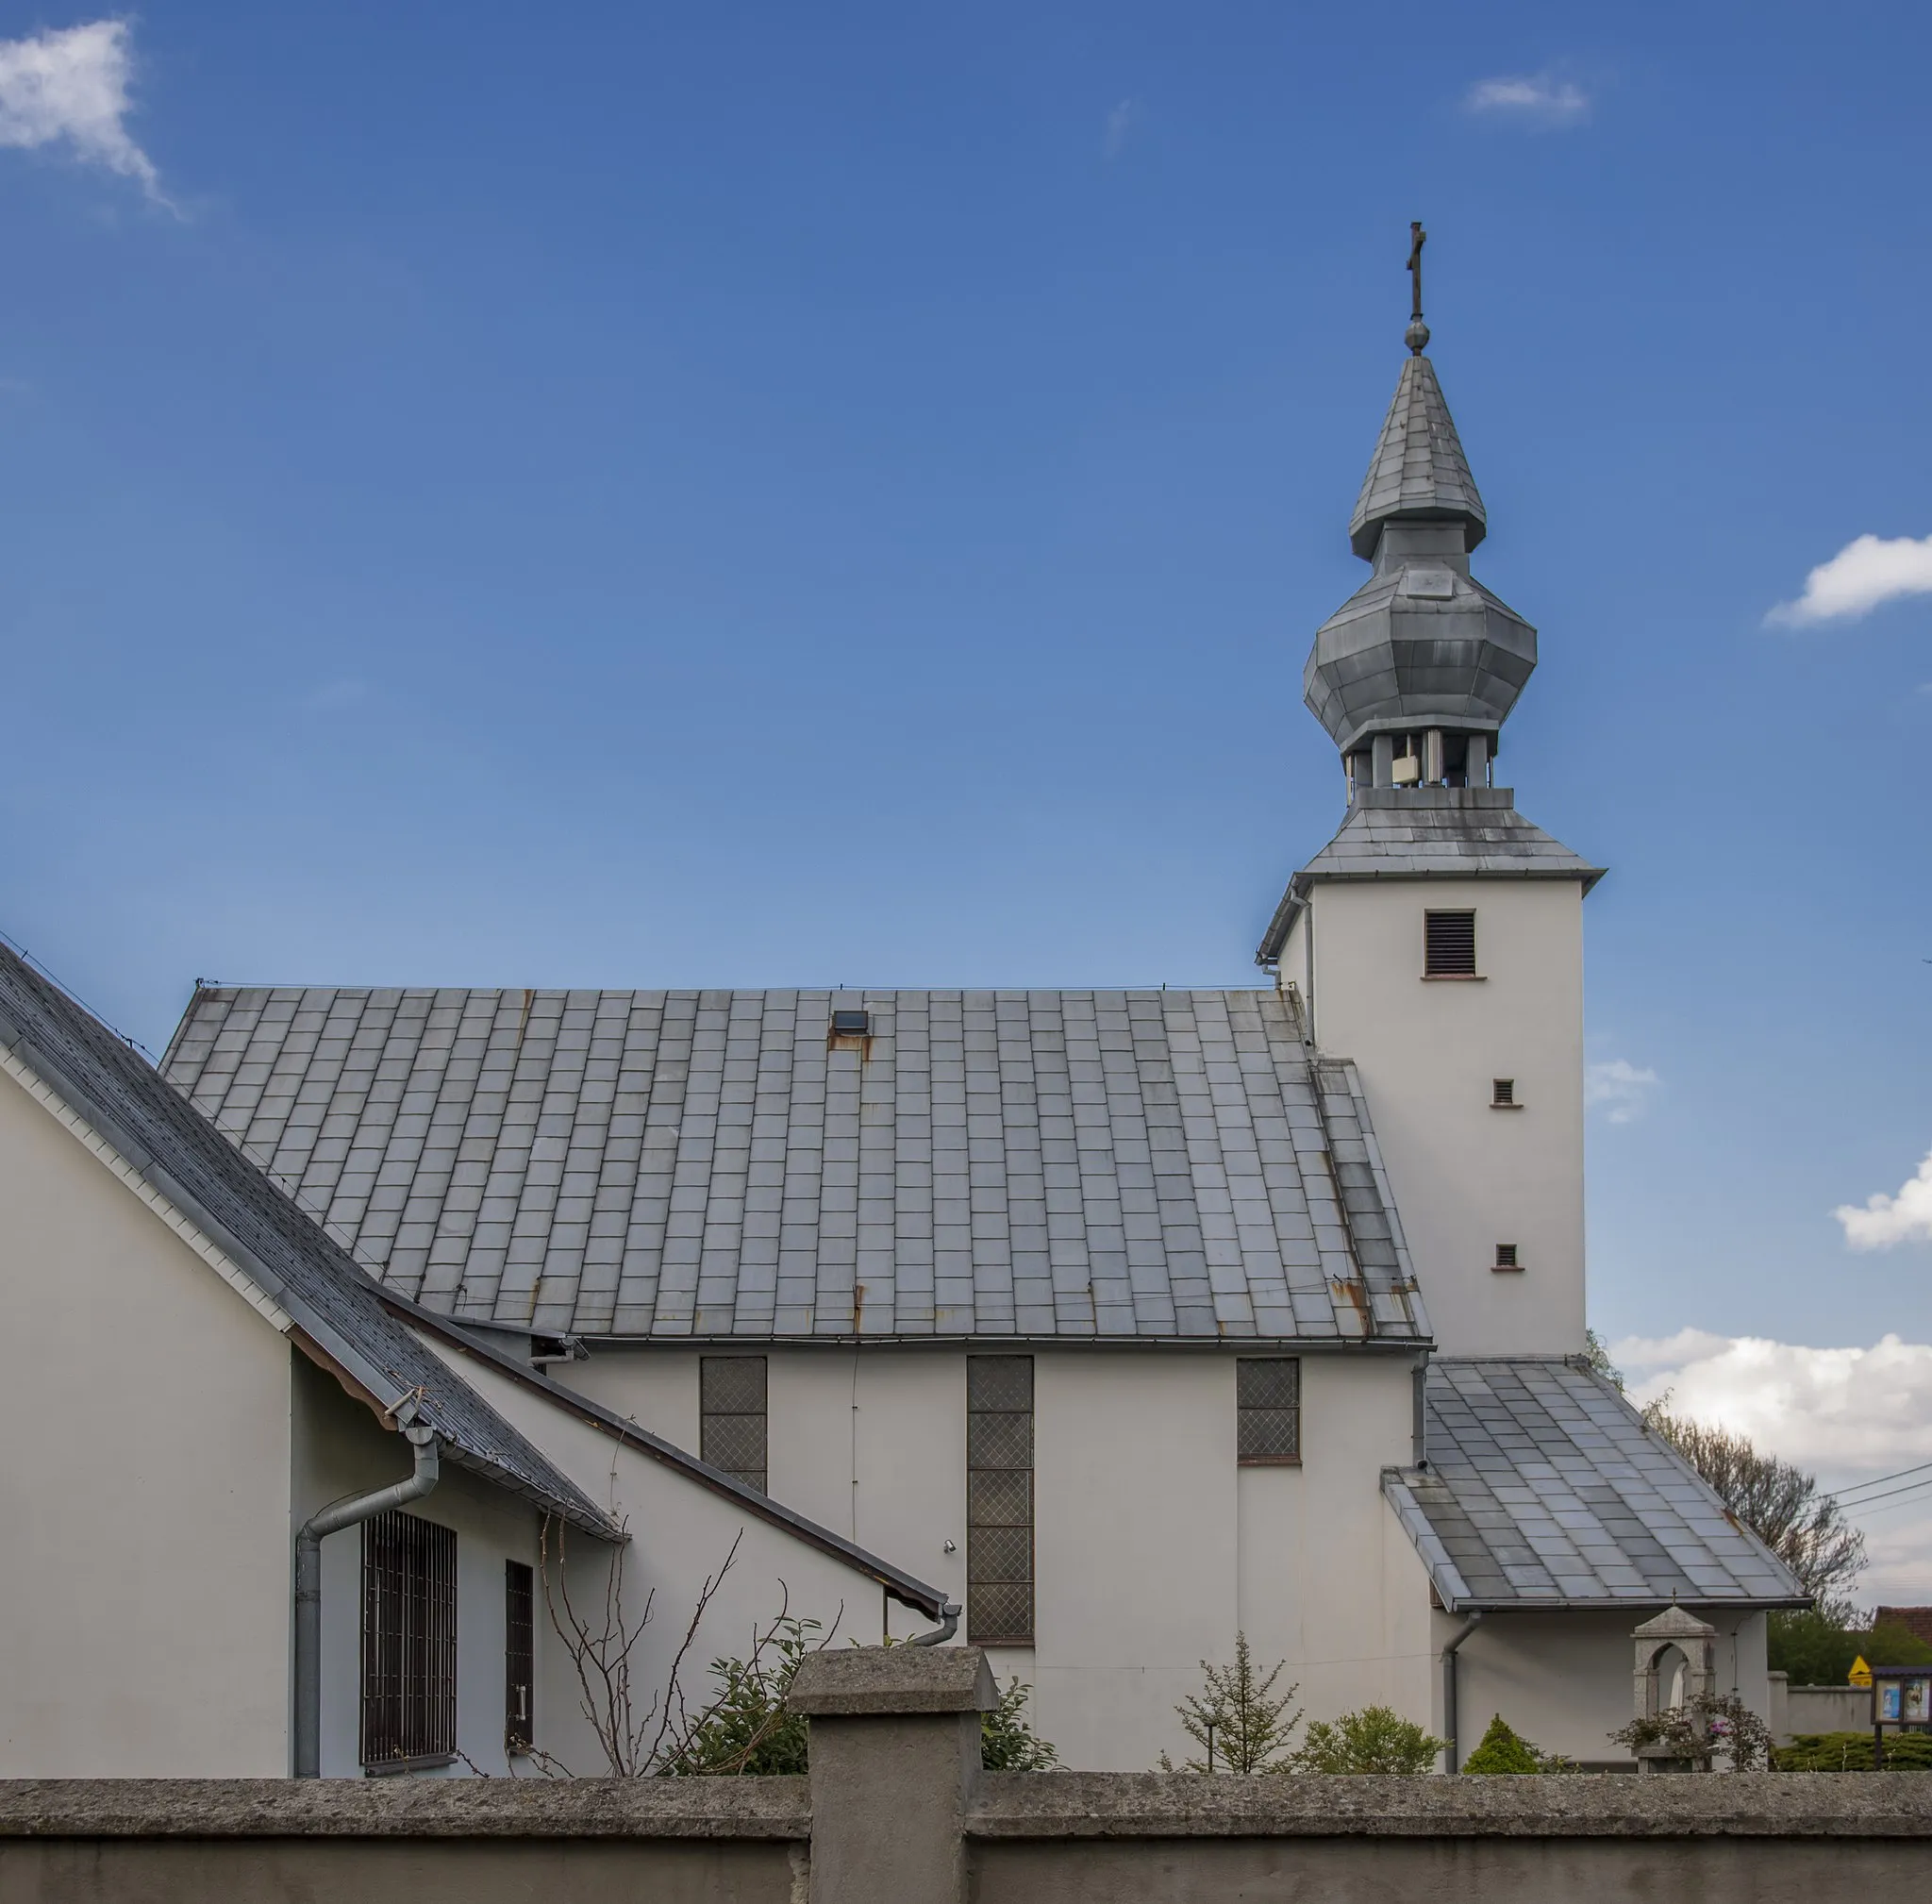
x=1094, y=1327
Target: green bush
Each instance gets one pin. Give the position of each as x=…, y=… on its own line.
x=1851, y=1752
x=1377, y=1739
x=1502, y=1751
x=1007, y=1742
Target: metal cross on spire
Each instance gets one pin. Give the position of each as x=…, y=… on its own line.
x=1417, y=336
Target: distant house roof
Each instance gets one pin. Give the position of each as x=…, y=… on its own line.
x=1429, y=832
x=334, y=1305
x=1917, y=1621
x=1545, y=1489
x=1095, y=1166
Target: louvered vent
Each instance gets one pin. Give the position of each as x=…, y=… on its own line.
x=1505, y=1257
x=1503, y=1094
x=1449, y=944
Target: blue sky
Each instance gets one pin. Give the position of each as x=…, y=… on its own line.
x=755, y=495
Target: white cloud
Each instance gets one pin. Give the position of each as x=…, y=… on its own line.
x=72, y=84
x=1844, y=1414
x=1120, y=123
x=1533, y=98
x=1868, y=570
x=1625, y=1087
x=1886, y=1221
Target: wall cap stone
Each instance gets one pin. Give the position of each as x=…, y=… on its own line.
x=881, y=1681
x=1183, y=1805
x=770, y=1808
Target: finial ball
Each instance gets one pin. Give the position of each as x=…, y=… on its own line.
x=1417, y=336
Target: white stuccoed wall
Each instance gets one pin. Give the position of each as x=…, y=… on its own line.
x=1564, y=1679
x=341, y=1448
x=1466, y=1177
x=145, y=1409
x=681, y=1532
x=1152, y=1547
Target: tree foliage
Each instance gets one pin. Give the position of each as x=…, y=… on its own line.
x=1236, y=1719
x=1816, y=1649
x=1377, y=1739
x=1779, y=1503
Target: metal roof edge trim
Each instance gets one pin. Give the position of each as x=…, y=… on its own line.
x=906, y=1588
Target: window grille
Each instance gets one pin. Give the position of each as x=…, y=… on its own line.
x=519, y=1656
x=1268, y=1411
x=1505, y=1257
x=999, y=1499
x=1449, y=944
x=1503, y=1094
x=409, y=1640
x=731, y=1408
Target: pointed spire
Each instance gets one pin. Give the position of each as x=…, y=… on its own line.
x=1418, y=470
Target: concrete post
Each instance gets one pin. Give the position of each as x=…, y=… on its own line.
x=894, y=1755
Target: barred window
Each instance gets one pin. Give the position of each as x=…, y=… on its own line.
x=1449, y=944
x=519, y=1655
x=1268, y=1411
x=731, y=1409
x=408, y=1641
x=999, y=1500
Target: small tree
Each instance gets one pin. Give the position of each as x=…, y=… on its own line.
x=1377, y=1739
x=1502, y=1751
x=1236, y=1719
x=1779, y=1503
x=1007, y=1742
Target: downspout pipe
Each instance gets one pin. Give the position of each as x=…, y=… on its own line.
x=948, y=1626
x=308, y=1541
x=1452, y=1754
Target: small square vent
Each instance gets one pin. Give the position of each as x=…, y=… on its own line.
x=1505, y=1257
x=1503, y=1094
x=850, y=1024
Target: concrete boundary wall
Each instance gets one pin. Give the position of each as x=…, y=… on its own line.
x=895, y=1810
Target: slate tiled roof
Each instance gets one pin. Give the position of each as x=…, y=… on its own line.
x=1545, y=1489
x=1418, y=467
x=1425, y=832
x=311, y=1277
x=1008, y=1164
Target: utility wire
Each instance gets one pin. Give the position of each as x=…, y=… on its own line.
x=1843, y=1495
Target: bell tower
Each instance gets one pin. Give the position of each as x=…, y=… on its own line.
x=1438, y=939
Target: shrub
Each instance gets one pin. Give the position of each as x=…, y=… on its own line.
x=1851, y=1752
x=1007, y=1742
x=1710, y=1725
x=1502, y=1751
x=1377, y=1739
